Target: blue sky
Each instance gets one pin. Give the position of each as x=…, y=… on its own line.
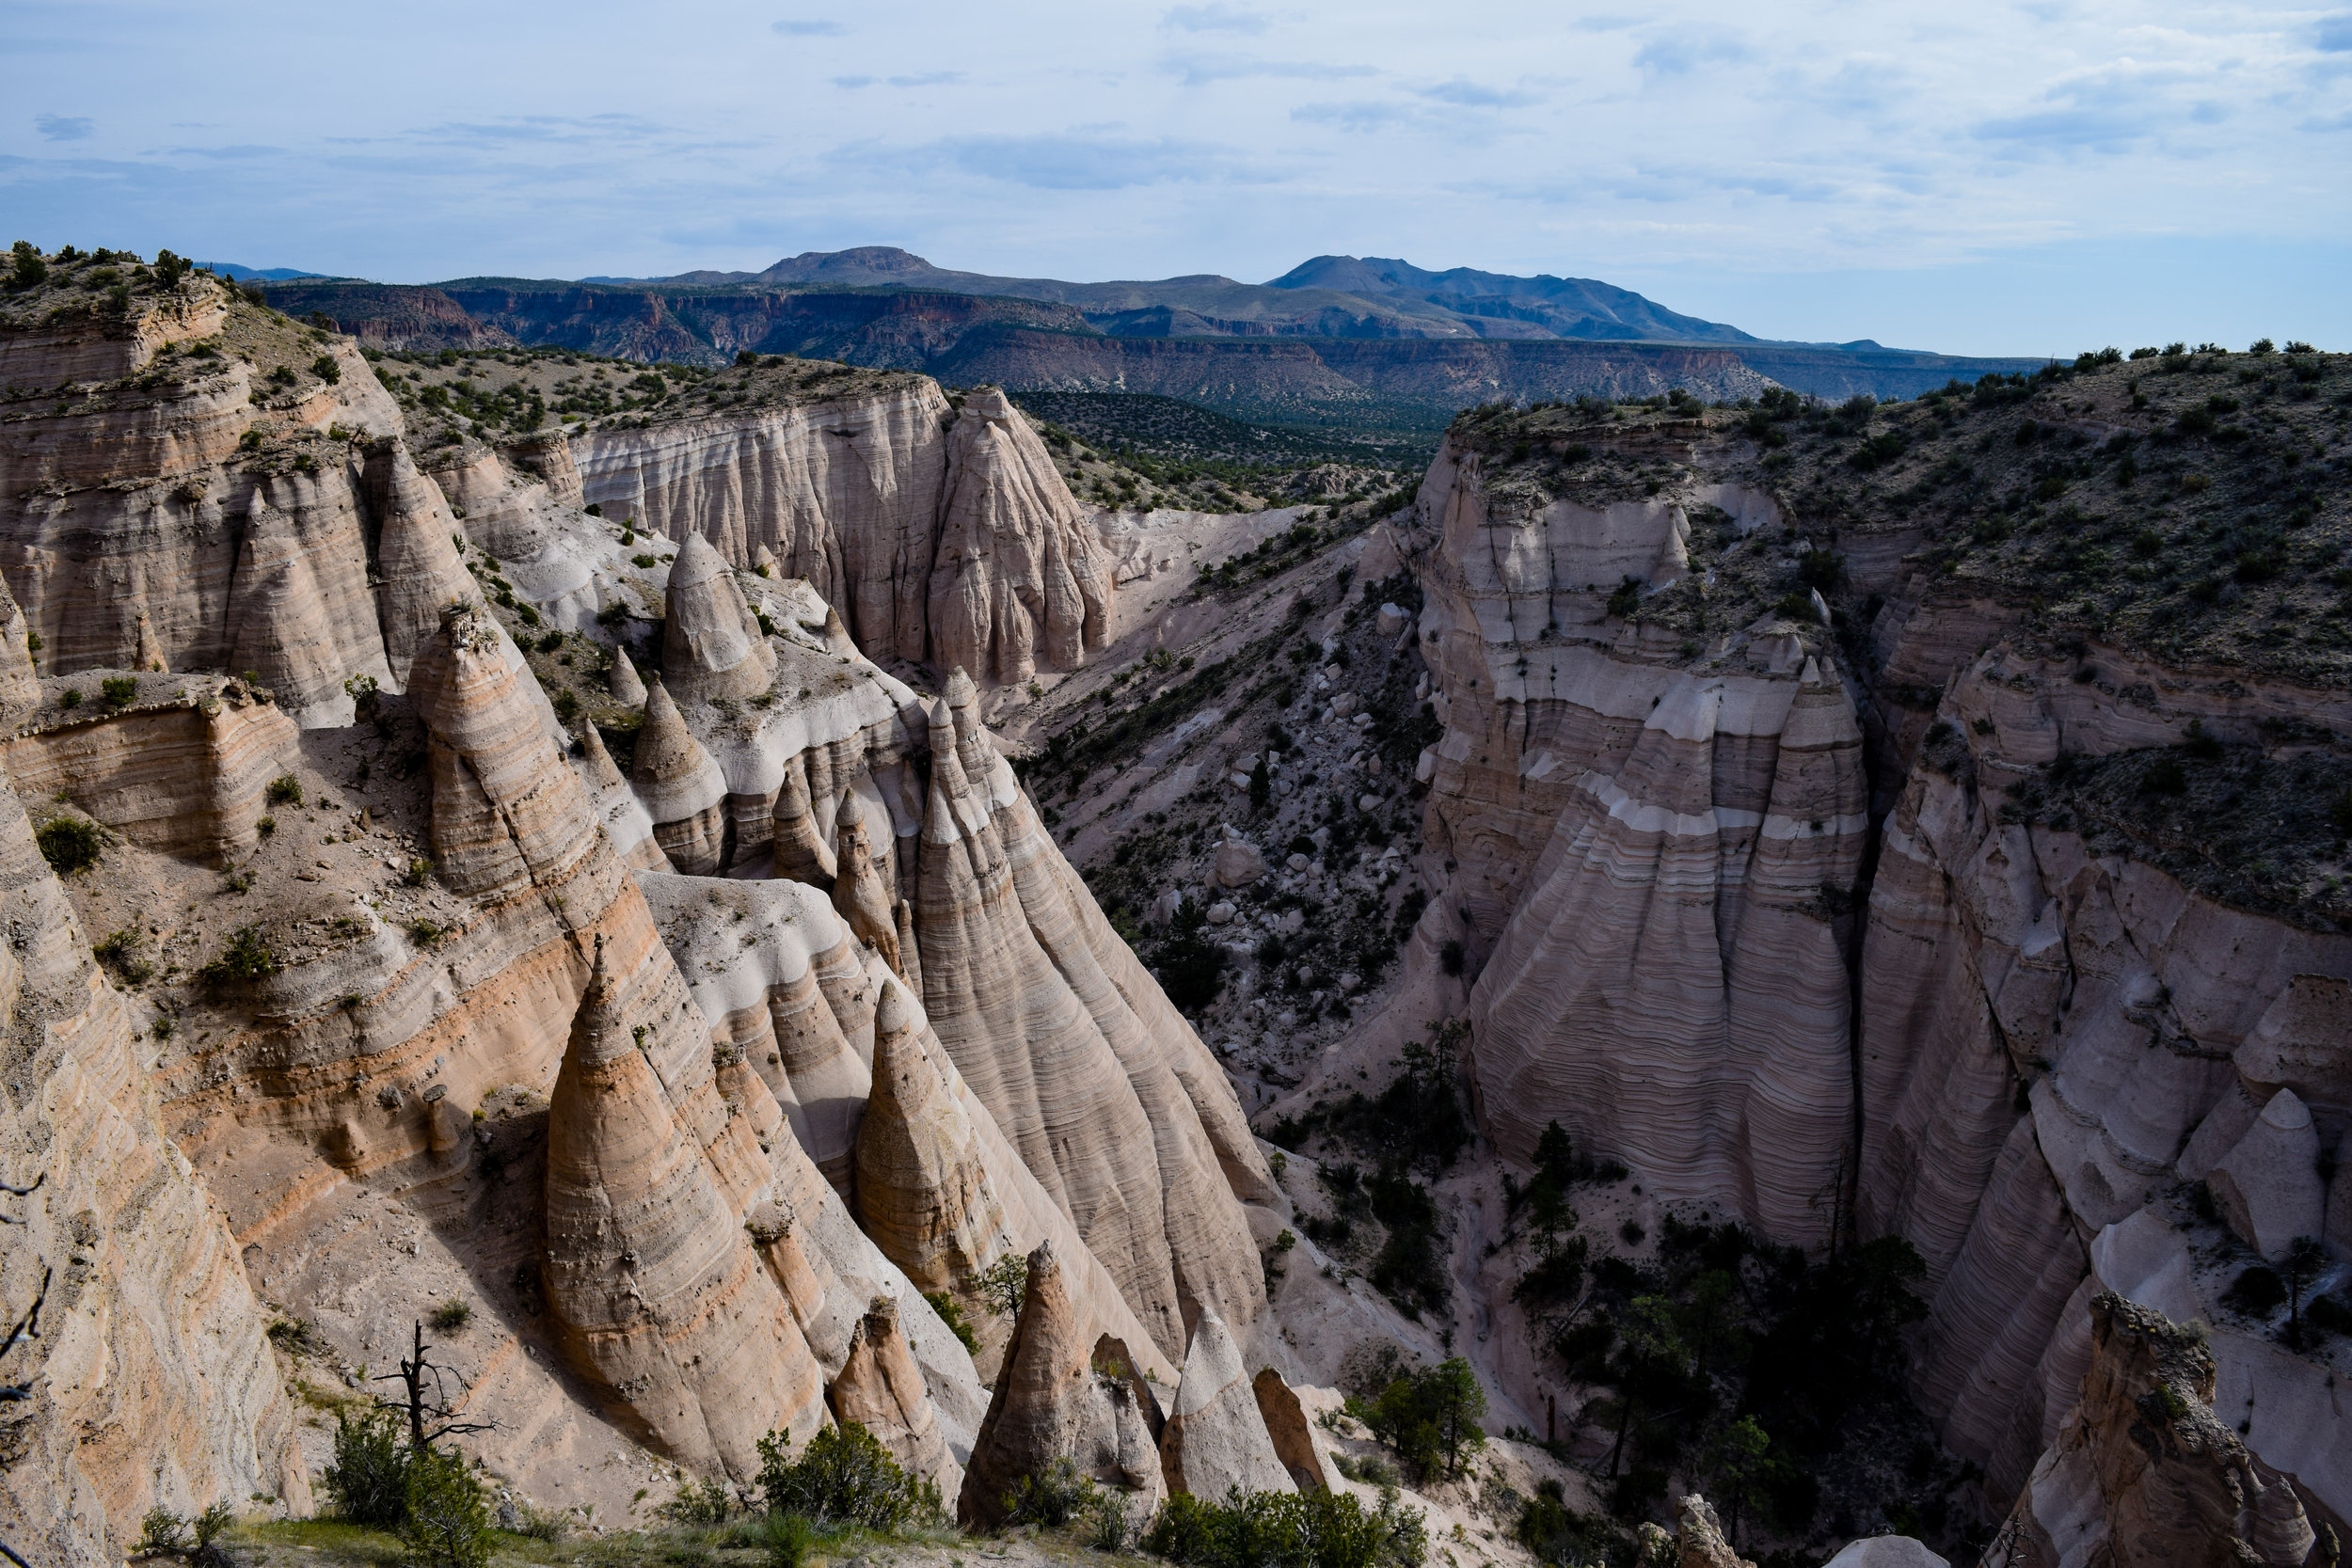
x=1993, y=178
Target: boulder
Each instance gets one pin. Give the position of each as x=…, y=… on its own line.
x=2269, y=1186
x=1216, y=1440
x=1238, y=863
x=1392, y=619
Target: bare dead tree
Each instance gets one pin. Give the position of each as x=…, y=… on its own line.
x=426, y=1402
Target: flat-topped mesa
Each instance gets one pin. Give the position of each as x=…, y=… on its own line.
x=683, y=790
x=861, y=890
x=1139, y=1142
x=419, y=571
x=881, y=1388
x=1019, y=579
x=711, y=644
x=508, y=811
x=923, y=1191
x=657, y=1294
x=799, y=851
x=1216, y=1440
x=1051, y=1404
x=2143, y=1474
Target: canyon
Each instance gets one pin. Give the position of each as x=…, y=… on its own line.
x=717, y=895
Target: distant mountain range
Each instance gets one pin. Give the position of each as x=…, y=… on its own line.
x=1340, y=340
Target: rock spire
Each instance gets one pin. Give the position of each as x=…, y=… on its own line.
x=683, y=790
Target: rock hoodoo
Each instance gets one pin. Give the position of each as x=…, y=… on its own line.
x=660, y=1298
x=681, y=787
x=1216, y=1440
x=711, y=644
x=1051, y=1403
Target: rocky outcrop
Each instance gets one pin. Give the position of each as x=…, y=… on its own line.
x=1286, y=1425
x=799, y=851
x=712, y=647
x=660, y=1298
x=183, y=767
x=879, y=1388
x=1109, y=1096
x=1216, y=1440
x=19, y=683
x=420, y=574
x=923, y=1189
x=861, y=892
x=1018, y=580
x=1697, y=1541
x=939, y=534
x=2143, y=1472
x=1673, y=837
x=682, y=789
x=1051, y=1403
x=152, y=1381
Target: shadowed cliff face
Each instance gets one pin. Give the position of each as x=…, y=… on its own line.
x=1878, y=910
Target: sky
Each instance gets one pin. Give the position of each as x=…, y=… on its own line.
x=1990, y=178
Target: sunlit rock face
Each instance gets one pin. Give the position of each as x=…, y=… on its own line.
x=940, y=533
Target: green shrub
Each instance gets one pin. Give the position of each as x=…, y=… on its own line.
x=952, y=1315
x=69, y=843
x=1287, y=1530
x=119, y=690
x=451, y=1315
x=1430, y=1416
x=325, y=368
x=71, y=697
x=1052, y=1496
x=285, y=790
x=247, y=957
x=845, y=1477
x=163, y=1531
x=447, y=1512
x=367, y=1481
x=213, y=1524
x=419, y=872
x=1003, y=1284
x=788, y=1538
x=2257, y=1290
x=703, y=1503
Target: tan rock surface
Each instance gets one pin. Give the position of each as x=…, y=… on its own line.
x=1018, y=580
x=879, y=1388
x=1051, y=1404
x=682, y=789
x=1216, y=1440
x=2143, y=1472
x=1015, y=956
x=153, y=1383
x=712, y=647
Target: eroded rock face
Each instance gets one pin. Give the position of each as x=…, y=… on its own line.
x=1216, y=1440
x=150, y=1337
x=2143, y=1472
x=1109, y=1096
x=1018, y=580
x=939, y=534
x=879, y=1388
x=661, y=1296
x=1642, y=840
x=1051, y=1403
x=711, y=645
x=682, y=788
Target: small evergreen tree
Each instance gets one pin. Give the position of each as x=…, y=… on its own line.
x=447, y=1522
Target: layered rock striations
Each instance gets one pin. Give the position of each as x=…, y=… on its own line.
x=2144, y=1472
x=1108, y=1095
x=1216, y=1440
x=151, y=1382
x=939, y=533
x=1064, y=1394
x=1657, y=849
